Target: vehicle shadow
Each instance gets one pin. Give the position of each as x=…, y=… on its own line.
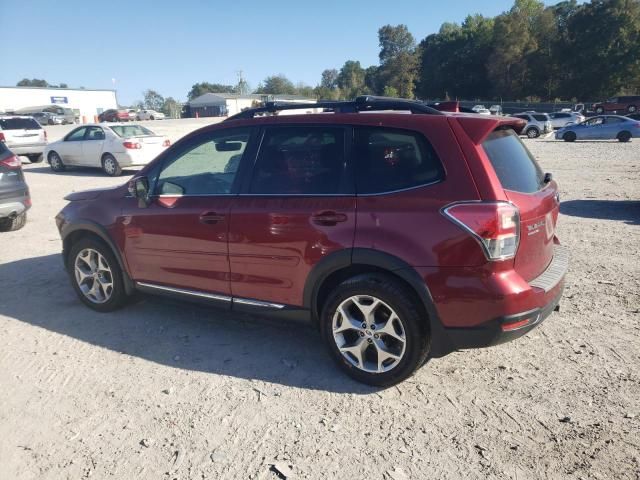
x=74, y=171
x=180, y=335
x=627, y=211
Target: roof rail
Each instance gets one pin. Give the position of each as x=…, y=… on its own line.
x=365, y=103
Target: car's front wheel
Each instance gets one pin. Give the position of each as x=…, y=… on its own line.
x=12, y=224
x=599, y=110
x=533, y=132
x=55, y=162
x=374, y=330
x=569, y=137
x=111, y=166
x=96, y=275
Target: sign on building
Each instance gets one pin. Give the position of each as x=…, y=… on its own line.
x=59, y=100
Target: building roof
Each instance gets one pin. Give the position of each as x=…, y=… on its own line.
x=64, y=89
x=221, y=98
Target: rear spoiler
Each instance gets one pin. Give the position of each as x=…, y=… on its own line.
x=450, y=107
x=478, y=129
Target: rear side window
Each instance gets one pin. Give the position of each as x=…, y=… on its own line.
x=300, y=161
x=388, y=160
x=19, y=124
x=541, y=118
x=513, y=163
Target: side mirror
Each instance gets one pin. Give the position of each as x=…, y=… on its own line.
x=548, y=177
x=139, y=188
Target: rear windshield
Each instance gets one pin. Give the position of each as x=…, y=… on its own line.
x=541, y=118
x=131, y=131
x=19, y=124
x=515, y=166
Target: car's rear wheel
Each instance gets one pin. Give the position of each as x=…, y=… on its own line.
x=151, y=118
x=374, y=330
x=11, y=224
x=111, y=166
x=632, y=109
x=624, y=136
x=96, y=275
x=569, y=137
x=533, y=132
x=599, y=110
x=56, y=163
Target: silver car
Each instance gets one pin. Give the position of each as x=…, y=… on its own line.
x=603, y=127
x=562, y=119
x=537, y=124
x=23, y=135
x=48, y=118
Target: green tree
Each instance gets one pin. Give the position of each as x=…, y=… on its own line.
x=351, y=79
x=372, y=80
x=171, y=108
x=277, y=84
x=34, y=82
x=206, y=87
x=153, y=100
x=398, y=60
x=329, y=79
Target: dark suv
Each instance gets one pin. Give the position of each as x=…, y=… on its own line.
x=401, y=236
x=14, y=193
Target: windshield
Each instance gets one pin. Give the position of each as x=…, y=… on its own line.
x=131, y=131
x=19, y=124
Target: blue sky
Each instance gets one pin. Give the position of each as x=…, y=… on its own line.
x=170, y=45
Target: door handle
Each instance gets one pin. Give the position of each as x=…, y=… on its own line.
x=328, y=219
x=211, y=218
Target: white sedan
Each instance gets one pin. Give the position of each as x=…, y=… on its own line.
x=149, y=115
x=111, y=147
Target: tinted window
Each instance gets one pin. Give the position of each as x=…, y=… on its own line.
x=300, y=161
x=94, y=133
x=612, y=120
x=541, y=118
x=131, y=131
x=17, y=123
x=76, y=135
x=514, y=165
x=560, y=115
x=207, y=166
x=389, y=160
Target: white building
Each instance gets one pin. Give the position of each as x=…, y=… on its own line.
x=86, y=103
x=228, y=104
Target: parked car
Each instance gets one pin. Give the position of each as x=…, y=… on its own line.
x=113, y=115
x=562, y=119
x=481, y=109
x=604, y=127
x=14, y=192
x=628, y=104
x=132, y=114
x=537, y=123
x=390, y=257
x=23, y=136
x=495, y=109
x=149, y=115
x=110, y=147
x=47, y=118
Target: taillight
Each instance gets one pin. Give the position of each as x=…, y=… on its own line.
x=11, y=162
x=132, y=145
x=166, y=143
x=2, y=139
x=496, y=226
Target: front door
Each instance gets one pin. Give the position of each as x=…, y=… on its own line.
x=180, y=239
x=71, y=148
x=297, y=207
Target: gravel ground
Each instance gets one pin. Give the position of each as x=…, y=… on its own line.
x=165, y=390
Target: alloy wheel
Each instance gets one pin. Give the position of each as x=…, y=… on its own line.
x=93, y=275
x=369, y=334
x=109, y=166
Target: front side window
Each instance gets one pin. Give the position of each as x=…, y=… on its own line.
x=388, y=160
x=76, y=135
x=541, y=118
x=207, y=166
x=300, y=161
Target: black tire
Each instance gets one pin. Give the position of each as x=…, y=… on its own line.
x=533, y=132
x=632, y=109
x=118, y=294
x=12, y=224
x=151, y=118
x=599, y=110
x=55, y=162
x=624, y=136
x=393, y=294
x=35, y=158
x=110, y=165
x=569, y=137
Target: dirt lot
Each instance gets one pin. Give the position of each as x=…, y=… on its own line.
x=168, y=390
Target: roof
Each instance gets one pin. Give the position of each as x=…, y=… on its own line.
x=65, y=89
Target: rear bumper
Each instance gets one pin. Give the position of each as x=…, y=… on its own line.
x=14, y=204
x=27, y=149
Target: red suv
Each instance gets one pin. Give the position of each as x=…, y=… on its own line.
x=622, y=105
x=401, y=236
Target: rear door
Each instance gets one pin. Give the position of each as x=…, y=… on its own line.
x=297, y=206
x=538, y=202
x=92, y=147
x=22, y=132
